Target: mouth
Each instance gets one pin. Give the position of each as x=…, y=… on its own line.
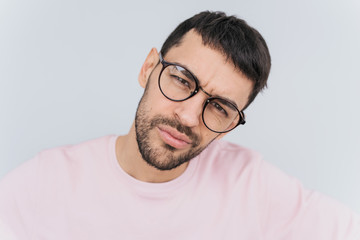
x=173, y=137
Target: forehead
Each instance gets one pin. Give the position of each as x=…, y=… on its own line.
x=216, y=74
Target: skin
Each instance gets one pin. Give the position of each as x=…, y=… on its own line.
x=215, y=74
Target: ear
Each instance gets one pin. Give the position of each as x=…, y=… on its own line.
x=148, y=66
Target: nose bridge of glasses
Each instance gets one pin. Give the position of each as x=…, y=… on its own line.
x=202, y=100
x=203, y=90
x=208, y=95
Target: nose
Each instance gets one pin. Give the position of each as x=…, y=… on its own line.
x=189, y=112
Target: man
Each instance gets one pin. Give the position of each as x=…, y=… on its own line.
x=170, y=177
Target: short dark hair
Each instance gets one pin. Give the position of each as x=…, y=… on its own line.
x=233, y=37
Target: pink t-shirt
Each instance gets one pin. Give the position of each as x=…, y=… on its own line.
x=227, y=192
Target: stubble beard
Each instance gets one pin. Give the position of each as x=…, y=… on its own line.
x=162, y=157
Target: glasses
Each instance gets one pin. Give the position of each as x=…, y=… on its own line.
x=178, y=84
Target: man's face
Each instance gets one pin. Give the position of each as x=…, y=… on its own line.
x=171, y=133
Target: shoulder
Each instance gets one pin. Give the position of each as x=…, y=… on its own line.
x=227, y=161
x=61, y=161
x=223, y=153
x=234, y=164
x=72, y=155
x=93, y=147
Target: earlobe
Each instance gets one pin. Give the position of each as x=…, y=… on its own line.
x=148, y=66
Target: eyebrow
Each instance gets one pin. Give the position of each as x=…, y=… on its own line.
x=187, y=73
x=228, y=102
x=190, y=74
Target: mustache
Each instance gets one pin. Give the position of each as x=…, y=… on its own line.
x=157, y=120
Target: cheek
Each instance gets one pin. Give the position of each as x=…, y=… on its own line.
x=207, y=136
x=157, y=104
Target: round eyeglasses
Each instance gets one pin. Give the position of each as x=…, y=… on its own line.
x=178, y=84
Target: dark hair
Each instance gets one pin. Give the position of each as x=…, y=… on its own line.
x=233, y=37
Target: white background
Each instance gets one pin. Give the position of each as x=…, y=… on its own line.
x=68, y=73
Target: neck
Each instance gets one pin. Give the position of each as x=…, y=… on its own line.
x=131, y=161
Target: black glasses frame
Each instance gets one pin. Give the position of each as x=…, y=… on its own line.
x=165, y=64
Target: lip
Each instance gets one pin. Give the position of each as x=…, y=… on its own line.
x=173, y=138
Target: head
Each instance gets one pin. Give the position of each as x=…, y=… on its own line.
x=228, y=58
x=241, y=44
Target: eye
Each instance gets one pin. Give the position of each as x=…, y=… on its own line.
x=218, y=108
x=181, y=81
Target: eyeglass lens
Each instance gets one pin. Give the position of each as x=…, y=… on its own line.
x=178, y=84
